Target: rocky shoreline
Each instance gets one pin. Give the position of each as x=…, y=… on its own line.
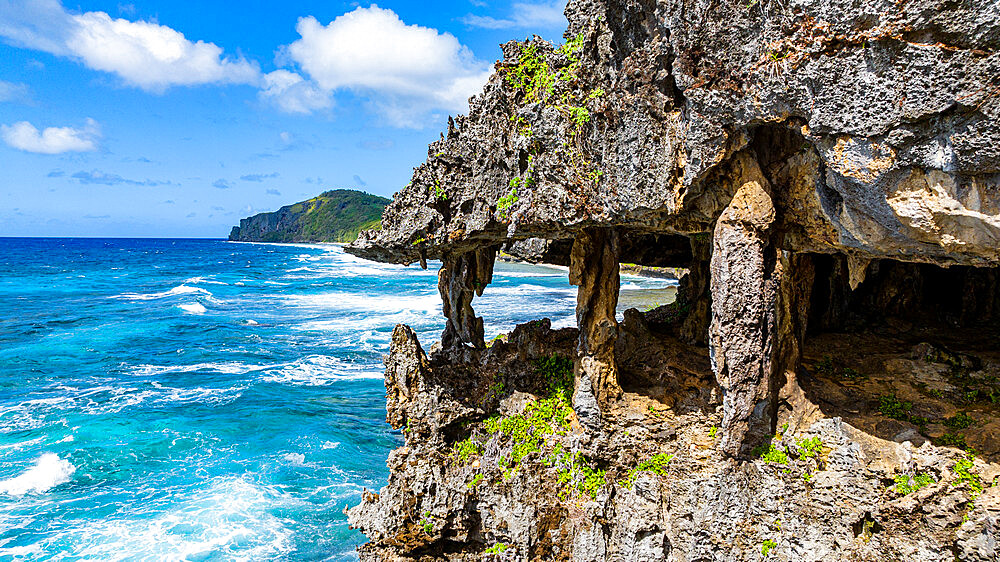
x=826, y=178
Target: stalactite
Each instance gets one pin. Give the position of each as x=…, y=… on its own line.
x=461, y=278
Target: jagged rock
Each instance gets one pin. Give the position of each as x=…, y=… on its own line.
x=817, y=166
x=838, y=502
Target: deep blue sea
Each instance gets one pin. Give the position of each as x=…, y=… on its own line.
x=207, y=400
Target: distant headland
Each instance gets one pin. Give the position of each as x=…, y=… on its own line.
x=333, y=216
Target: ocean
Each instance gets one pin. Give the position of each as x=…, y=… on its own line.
x=207, y=400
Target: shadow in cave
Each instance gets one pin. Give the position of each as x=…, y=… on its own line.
x=911, y=354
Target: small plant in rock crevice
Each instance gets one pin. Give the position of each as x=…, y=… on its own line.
x=892, y=407
x=512, y=439
x=497, y=548
x=767, y=546
x=656, y=464
x=956, y=440
x=810, y=448
x=906, y=484
x=770, y=454
x=535, y=79
x=965, y=473
x=426, y=524
x=961, y=420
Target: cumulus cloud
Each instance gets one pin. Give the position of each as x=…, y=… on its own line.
x=524, y=15
x=97, y=177
x=53, y=140
x=147, y=55
x=258, y=177
x=406, y=70
x=293, y=94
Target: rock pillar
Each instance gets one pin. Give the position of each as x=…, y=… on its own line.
x=594, y=269
x=461, y=277
x=746, y=285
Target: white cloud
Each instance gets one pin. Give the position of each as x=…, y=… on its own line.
x=403, y=72
x=293, y=94
x=408, y=70
x=53, y=140
x=147, y=55
x=524, y=15
x=10, y=91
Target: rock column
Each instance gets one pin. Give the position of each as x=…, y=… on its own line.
x=461, y=277
x=746, y=286
x=594, y=269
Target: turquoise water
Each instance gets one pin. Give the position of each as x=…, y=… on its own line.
x=204, y=400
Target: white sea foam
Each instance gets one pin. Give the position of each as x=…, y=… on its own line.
x=48, y=471
x=330, y=444
x=193, y=308
x=29, y=552
x=204, y=281
x=229, y=520
x=228, y=368
x=179, y=290
x=371, y=304
x=320, y=370
x=295, y=459
x=22, y=444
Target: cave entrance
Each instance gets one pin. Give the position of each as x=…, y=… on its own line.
x=910, y=354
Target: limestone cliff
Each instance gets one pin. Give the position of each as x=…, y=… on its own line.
x=825, y=386
x=333, y=216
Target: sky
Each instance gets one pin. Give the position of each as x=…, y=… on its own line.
x=178, y=118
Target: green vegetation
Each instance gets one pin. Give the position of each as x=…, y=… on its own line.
x=558, y=372
x=534, y=431
x=438, y=191
x=810, y=447
x=827, y=368
x=333, y=216
x=965, y=474
x=505, y=203
x=961, y=420
x=767, y=546
x=538, y=81
x=497, y=548
x=713, y=432
x=892, y=407
x=475, y=481
x=906, y=484
x=426, y=524
x=656, y=464
x=952, y=440
x=770, y=454
x=463, y=451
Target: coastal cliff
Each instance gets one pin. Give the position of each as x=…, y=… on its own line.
x=827, y=384
x=333, y=216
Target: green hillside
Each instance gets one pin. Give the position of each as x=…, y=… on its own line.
x=333, y=216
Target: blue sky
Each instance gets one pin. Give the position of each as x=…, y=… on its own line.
x=176, y=119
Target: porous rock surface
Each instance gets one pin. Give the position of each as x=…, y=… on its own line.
x=818, y=167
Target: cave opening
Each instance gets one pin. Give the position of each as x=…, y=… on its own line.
x=909, y=354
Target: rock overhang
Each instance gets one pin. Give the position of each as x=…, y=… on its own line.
x=890, y=148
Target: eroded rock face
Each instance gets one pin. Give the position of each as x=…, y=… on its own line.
x=814, y=165
x=881, y=119
x=832, y=496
